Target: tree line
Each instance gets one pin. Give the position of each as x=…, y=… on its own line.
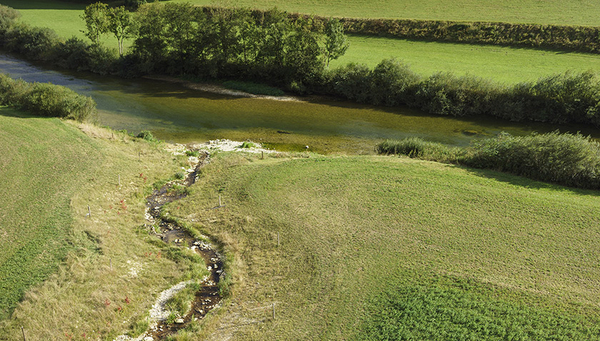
x=179, y=38
x=269, y=47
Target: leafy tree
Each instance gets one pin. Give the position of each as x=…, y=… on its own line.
x=302, y=55
x=96, y=21
x=179, y=31
x=122, y=25
x=151, y=45
x=336, y=42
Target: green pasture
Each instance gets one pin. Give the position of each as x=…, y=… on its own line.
x=557, y=12
x=66, y=274
x=41, y=166
x=502, y=64
x=394, y=248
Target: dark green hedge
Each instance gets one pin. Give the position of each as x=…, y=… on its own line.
x=555, y=37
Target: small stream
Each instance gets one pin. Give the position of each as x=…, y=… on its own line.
x=208, y=296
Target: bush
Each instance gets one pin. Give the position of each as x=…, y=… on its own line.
x=45, y=99
x=566, y=159
x=51, y=100
x=446, y=94
x=147, y=135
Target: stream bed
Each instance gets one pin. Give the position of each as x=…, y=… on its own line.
x=208, y=297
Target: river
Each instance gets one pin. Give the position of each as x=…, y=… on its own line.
x=177, y=114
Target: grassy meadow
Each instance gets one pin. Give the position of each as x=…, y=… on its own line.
x=393, y=248
x=64, y=274
x=501, y=64
x=584, y=12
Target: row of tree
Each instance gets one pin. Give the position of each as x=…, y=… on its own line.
x=181, y=38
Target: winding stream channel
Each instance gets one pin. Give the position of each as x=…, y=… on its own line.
x=208, y=296
x=179, y=114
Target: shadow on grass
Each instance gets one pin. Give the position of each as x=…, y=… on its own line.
x=527, y=182
x=13, y=112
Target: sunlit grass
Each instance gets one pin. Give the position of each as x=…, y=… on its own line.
x=502, y=64
x=585, y=12
x=98, y=270
x=322, y=238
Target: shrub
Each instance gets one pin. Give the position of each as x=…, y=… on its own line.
x=45, y=99
x=566, y=159
x=352, y=81
x=147, y=135
x=51, y=100
x=446, y=94
x=392, y=83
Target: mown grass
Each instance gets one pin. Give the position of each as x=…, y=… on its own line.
x=100, y=273
x=39, y=178
x=529, y=11
x=61, y=16
x=333, y=243
x=501, y=64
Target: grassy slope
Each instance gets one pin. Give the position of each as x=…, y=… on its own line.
x=51, y=172
x=352, y=228
x=40, y=177
x=502, y=64
x=582, y=12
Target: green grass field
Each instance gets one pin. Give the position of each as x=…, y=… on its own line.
x=502, y=64
x=64, y=274
x=583, y=12
x=39, y=179
x=371, y=244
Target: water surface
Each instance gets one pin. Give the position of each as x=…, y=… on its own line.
x=178, y=114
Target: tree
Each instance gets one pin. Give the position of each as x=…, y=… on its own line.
x=96, y=21
x=121, y=24
x=336, y=42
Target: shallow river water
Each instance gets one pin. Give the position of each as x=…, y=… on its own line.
x=178, y=114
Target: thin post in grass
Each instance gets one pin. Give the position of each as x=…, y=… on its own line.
x=23, y=331
x=119, y=180
x=220, y=200
x=273, y=310
x=262, y=155
x=89, y=212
